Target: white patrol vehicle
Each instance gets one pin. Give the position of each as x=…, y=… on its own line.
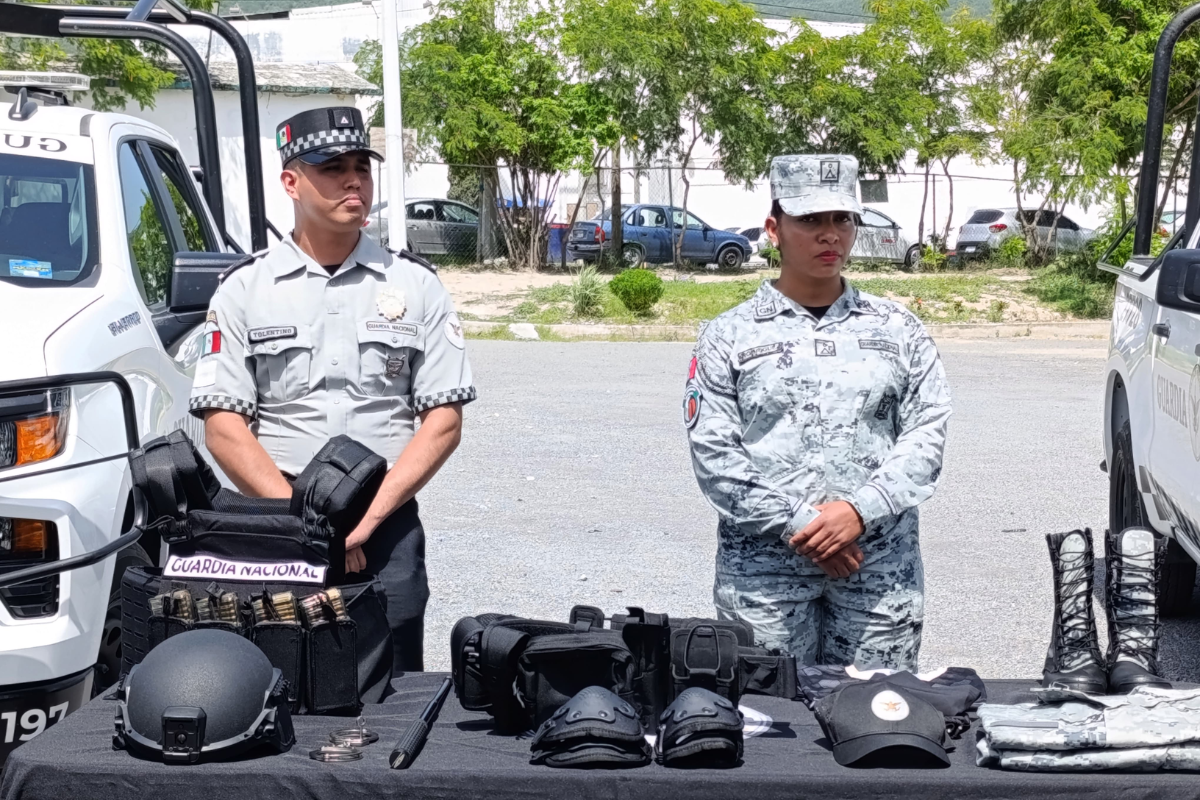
x=108, y=257
x=1152, y=397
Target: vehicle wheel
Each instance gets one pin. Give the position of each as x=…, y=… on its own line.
x=108, y=660
x=632, y=256
x=1125, y=510
x=912, y=257
x=730, y=258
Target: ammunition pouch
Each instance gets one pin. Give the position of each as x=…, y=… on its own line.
x=553, y=669
x=594, y=728
x=700, y=729
x=706, y=656
x=329, y=665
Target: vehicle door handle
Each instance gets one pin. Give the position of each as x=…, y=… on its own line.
x=1162, y=329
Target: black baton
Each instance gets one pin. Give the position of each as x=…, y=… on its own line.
x=413, y=740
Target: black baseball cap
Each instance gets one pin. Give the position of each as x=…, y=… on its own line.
x=319, y=134
x=865, y=718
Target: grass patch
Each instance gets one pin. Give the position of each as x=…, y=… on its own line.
x=937, y=288
x=1072, y=293
x=682, y=303
x=497, y=332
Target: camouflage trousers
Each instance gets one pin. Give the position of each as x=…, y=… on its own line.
x=871, y=619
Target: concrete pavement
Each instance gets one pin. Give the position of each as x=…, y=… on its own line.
x=573, y=485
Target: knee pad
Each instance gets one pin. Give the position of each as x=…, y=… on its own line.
x=594, y=729
x=699, y=729
x=339, y=483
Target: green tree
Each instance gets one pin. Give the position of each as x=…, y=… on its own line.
x=120, y=70
x=1072, y=107
x=930, y=64
x=717, y=64
x=485, y=85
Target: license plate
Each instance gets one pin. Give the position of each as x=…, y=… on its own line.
x=26, y=713
x=577, y=235
x=970, y=249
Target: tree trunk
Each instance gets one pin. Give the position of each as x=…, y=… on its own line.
x=687, y=187
x=485, y=242
x=924, y=200
x=950, y=210
x=618, y=231
x=578, y=203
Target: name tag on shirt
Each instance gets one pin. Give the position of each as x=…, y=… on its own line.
x=405, y=328
x=256, y=335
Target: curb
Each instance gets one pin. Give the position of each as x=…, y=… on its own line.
x=687, y=333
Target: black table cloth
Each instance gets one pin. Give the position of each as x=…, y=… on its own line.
x=464, y=759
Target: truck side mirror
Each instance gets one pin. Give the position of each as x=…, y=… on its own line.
x=194, y=280
x=1179, y=280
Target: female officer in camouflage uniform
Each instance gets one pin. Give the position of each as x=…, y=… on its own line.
x=812, y=392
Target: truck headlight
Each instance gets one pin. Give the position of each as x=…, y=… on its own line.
x=27, y=538
x=33, y=427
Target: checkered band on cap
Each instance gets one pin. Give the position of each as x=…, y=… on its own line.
x=315, y=141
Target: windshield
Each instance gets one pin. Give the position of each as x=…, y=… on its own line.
x=47, y=221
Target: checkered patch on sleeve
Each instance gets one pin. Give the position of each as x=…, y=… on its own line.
x=223, y=402
x=460, y=395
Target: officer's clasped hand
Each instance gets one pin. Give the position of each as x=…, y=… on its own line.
x=827, y=536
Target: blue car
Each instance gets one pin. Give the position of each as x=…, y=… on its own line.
x=649, y=239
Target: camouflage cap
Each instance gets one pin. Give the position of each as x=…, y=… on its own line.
x=810, y=184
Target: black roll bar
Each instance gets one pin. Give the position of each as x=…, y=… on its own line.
x=202, y=97
x=75, y=562
x=1156, y=113
x=247, y=91
x=61, y=22
x=129, y=415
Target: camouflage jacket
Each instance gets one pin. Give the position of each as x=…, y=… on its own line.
x=783, y=408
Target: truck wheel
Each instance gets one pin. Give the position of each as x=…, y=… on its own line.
x=1125, y=510
x=108, y=660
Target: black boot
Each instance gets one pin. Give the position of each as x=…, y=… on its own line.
x=1135, y=557
x=1073, y=658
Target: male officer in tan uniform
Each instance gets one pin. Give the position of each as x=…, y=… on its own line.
x=328, y=333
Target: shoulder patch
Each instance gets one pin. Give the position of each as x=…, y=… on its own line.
x=414, y=258
x=249, y=258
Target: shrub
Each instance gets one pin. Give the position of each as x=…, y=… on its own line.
x=932, y=260
x=1011, y=252
x=996, y=311
x=585, y=291
x=771, y=254
x=638, y=289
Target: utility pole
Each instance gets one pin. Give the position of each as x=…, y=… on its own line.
x=393, y=126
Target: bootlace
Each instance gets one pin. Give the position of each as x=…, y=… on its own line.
x=1136, y=618
x=1075, y=611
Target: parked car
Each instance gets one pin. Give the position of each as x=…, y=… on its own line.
x=880, y=238
x=988, y=227
x=648, y=239
x=434, y=226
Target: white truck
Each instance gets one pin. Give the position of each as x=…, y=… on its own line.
x=109, y=254
x=1152, y=397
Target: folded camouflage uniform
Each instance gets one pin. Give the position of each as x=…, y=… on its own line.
x=1145, y=730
